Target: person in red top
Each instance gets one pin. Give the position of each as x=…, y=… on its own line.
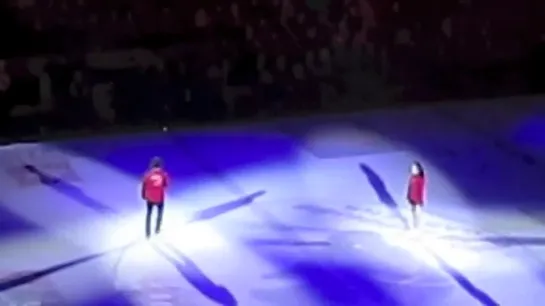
x=154, y=185
x=415, y=192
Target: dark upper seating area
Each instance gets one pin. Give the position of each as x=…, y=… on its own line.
x=249, y=57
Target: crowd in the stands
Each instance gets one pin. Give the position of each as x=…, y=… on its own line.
x=80, y=64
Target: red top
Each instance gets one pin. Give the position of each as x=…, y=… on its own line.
x=415, y=194
x=154, y=185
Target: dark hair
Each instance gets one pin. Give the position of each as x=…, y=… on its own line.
x=418, y=166
x=156, y=162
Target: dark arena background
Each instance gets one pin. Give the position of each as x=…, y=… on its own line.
x=288, y=128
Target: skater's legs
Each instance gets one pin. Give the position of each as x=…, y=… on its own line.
x=160, y=208
x=416, y=212
x=148, y=218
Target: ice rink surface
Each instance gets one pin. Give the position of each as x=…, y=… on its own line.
x=296, y=212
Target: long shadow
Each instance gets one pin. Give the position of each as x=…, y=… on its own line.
x=469, y=162
x=341, y=278
x=460, y=279
x=69, y=190
x=345, y=276
x=531, y=259
x=12, y=223
x=27, y=278
x=482, y=297
x=379, y=186
x=194, y=275
x=535, y=262
x=503, y=241
x=215, y=211
x=382, y=192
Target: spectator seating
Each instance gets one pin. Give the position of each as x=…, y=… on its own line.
x=274, y=55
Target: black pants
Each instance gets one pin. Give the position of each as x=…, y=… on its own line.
x=159, y=219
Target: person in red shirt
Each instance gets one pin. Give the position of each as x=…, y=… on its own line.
x=415, y=192
x=154, y=186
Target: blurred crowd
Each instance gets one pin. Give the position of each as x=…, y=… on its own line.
x=80, y=64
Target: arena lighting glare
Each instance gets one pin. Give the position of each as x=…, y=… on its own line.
x=425, y=247
x=338, y=152
x=193, y=237
x=176, y=230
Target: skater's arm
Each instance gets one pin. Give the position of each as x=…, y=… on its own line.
x=143, y=188
x=408, y=191
x=166, y=180
x=424, y=195
x=419, y=190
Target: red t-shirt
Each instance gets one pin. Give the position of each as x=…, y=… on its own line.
x=415, y=194
x=154, y=185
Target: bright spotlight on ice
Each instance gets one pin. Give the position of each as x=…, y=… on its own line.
x=181, y=234
x=456, y=255
x=427, y=248
x=124, y=231
x=193, y=237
